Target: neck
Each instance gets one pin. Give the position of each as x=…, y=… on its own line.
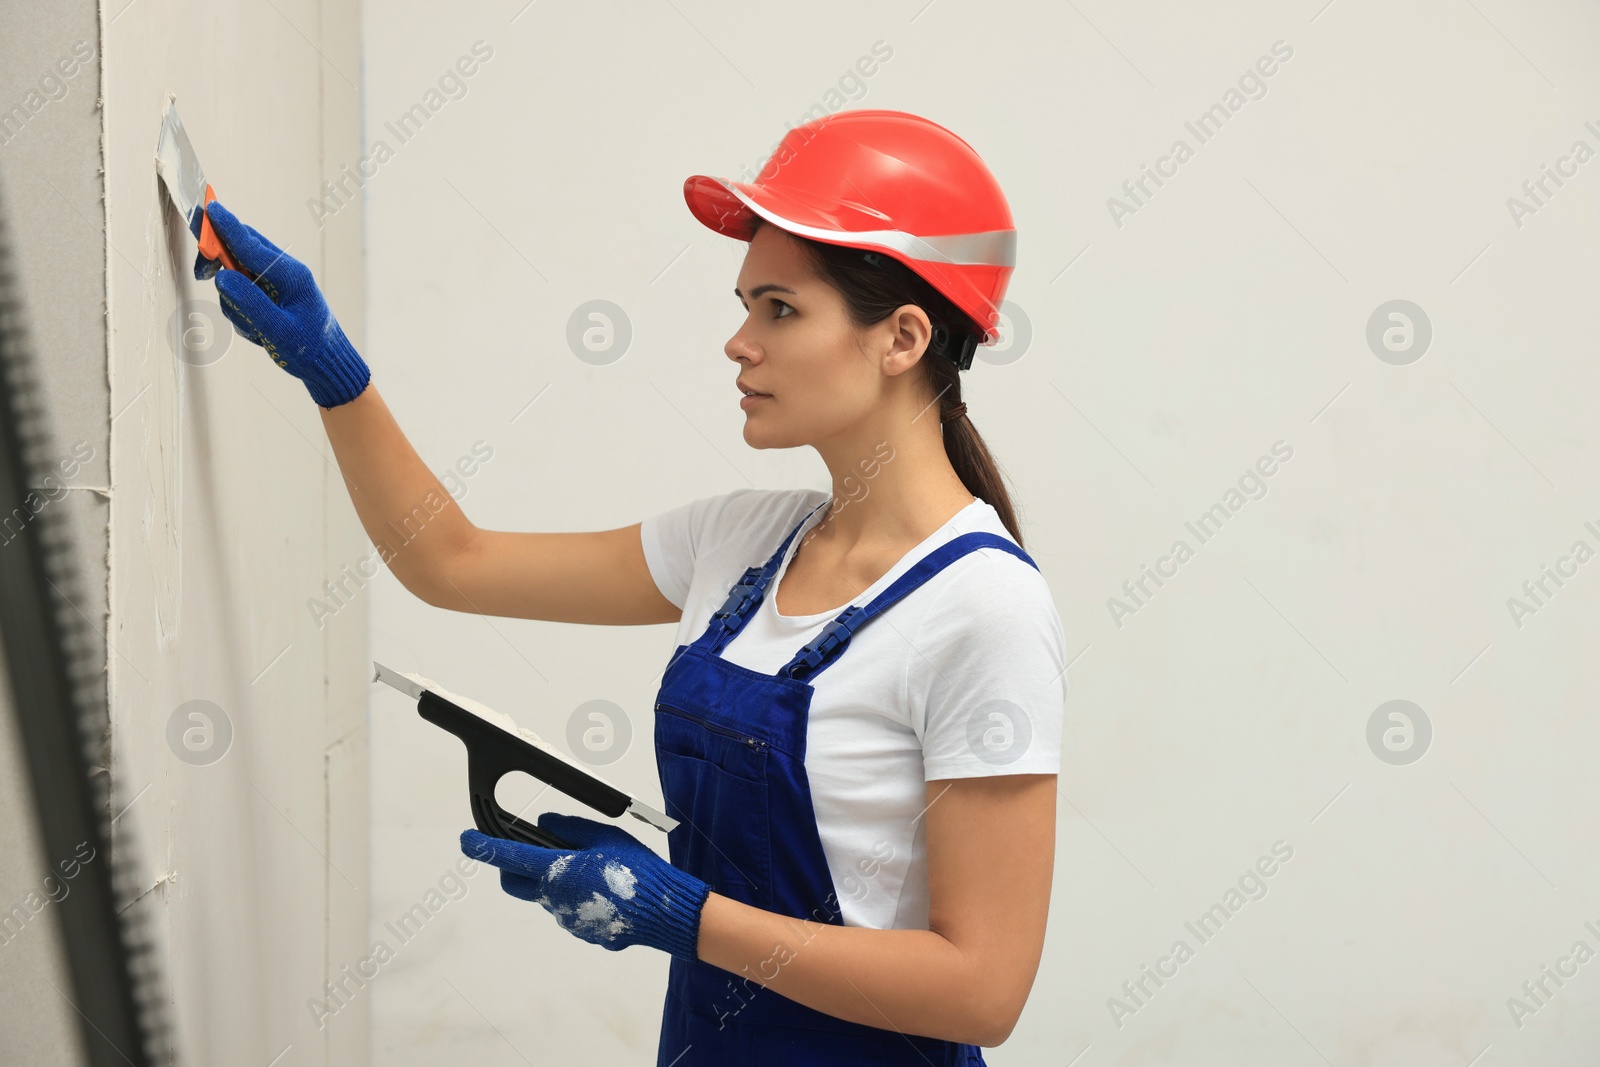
x=892, y=483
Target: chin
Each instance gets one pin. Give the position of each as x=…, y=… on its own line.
x=757, y=439
x=759, y=436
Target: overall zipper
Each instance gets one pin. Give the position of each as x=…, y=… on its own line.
x=753, y=742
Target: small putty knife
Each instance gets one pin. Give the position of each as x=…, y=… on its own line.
x=496, y=746
x=186, y=183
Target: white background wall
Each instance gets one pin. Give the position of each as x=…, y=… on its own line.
x=1167, y=354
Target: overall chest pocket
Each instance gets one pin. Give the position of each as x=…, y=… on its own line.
x=714, y=782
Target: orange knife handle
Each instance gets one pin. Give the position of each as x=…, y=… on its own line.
x=211, y=245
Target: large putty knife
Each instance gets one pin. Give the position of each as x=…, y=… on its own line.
x=186, y=183
x=496, y=746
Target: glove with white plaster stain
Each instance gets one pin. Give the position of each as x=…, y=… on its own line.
x=612, y=891
x=283, y=311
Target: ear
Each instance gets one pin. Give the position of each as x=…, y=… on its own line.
x=910, y=333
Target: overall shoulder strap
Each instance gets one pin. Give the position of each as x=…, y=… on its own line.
x=746, y=594
x=827, y=646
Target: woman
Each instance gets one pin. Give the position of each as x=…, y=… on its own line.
x=862, y=866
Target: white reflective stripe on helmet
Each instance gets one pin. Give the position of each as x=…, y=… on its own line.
x=993, y=248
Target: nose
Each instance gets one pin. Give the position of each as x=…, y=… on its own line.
x=740, y=347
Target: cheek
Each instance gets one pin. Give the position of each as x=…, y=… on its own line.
x=818, y=363
x=825, y=378
x=832, y=355
x=835, y=391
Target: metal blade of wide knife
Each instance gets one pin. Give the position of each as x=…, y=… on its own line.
x=397, y=680
x=179, y=168
x=645, y=813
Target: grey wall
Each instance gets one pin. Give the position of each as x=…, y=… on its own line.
x=1234, y=709
x=37, y=1021
x=50, y=177
x=208, y=511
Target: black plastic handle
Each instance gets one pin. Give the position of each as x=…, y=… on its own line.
x=492, y=753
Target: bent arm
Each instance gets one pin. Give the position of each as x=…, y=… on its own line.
x=991, y=854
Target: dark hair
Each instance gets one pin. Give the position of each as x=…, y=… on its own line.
x=873, y=286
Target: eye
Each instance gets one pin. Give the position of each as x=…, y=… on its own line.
x=778, y=307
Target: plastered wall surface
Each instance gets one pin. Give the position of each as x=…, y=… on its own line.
x=237, y=714
x=1165, y=340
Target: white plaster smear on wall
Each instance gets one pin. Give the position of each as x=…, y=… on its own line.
x=225, y=516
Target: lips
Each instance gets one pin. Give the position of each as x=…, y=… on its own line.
x=747, y=391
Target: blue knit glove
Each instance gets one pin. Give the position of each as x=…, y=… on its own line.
x=612, y=891
x=283, y=311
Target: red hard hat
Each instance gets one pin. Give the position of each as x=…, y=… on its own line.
x=883, y=181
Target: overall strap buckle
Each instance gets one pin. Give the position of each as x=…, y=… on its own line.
x=740, y=600
x=834, y=637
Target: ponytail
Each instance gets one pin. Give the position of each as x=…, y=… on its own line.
x=969, y=455
x=873, y=286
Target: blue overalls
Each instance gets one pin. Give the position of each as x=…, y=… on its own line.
x=730, y=749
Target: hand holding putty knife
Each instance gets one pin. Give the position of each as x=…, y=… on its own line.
x=186, y=183
x=269, y=296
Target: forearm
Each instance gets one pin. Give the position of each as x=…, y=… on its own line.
x=413, y=521
x=274, y=302
x=913, y=981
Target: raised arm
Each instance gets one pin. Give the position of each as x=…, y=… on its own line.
x=418, y=528
x=437, y=553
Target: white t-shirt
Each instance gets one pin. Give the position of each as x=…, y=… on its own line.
x=911, y=699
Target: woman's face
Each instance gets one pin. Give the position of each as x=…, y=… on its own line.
x=797, y=344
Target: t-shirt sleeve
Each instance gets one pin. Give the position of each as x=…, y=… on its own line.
x=992, y=681
x=673, y=540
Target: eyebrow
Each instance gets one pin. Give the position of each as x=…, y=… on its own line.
x=767, y=288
